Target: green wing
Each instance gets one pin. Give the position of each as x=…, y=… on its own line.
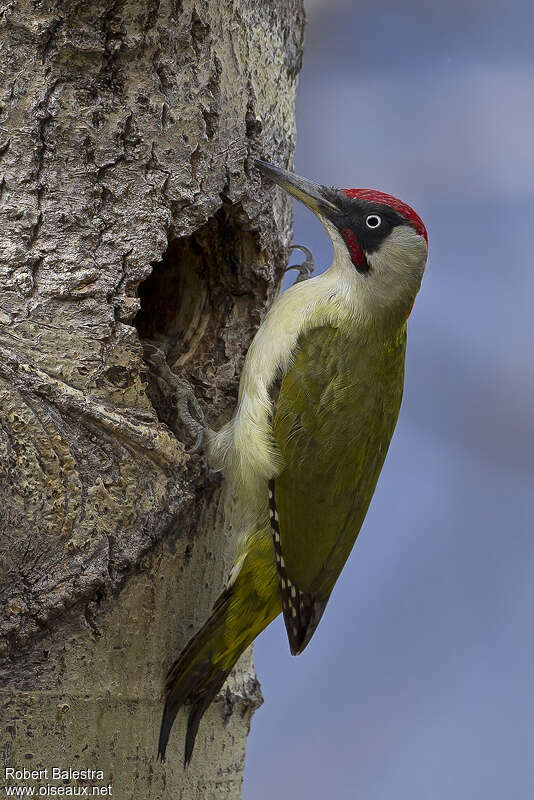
x=335, y=415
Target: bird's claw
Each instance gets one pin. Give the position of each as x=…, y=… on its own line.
x=187, y=405
x=197, y=447
x=305, y=269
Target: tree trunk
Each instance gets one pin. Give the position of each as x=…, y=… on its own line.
x=128, y=212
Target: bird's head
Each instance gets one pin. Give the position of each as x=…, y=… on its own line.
x=379, y=242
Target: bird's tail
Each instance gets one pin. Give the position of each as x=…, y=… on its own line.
x=240, y=613
x=194, y=678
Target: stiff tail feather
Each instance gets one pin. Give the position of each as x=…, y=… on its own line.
x=240, y=613
x=194, y=679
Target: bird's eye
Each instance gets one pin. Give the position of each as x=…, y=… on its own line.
x=373, y=221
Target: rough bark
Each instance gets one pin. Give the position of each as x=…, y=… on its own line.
x=128, y=211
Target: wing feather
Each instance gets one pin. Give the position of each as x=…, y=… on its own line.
x=335, y=414
x=301, y=611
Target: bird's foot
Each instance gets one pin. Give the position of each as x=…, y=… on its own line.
x=306, y=268
x=181, y=394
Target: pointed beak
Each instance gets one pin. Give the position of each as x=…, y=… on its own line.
x=309, y=193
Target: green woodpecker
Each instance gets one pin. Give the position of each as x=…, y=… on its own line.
x=318, y=402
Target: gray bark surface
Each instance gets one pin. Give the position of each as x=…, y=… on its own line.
x=129, y=210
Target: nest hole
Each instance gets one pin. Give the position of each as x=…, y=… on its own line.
x=188, y=302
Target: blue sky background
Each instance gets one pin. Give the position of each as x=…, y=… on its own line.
x=419, y=682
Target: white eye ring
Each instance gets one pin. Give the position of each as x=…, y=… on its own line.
x=373, y=221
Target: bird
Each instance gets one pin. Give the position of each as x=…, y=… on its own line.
x=319, y=396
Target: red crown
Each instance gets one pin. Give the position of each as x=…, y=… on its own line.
x=374, y=196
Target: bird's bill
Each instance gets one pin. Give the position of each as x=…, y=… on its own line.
x=304, y=190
